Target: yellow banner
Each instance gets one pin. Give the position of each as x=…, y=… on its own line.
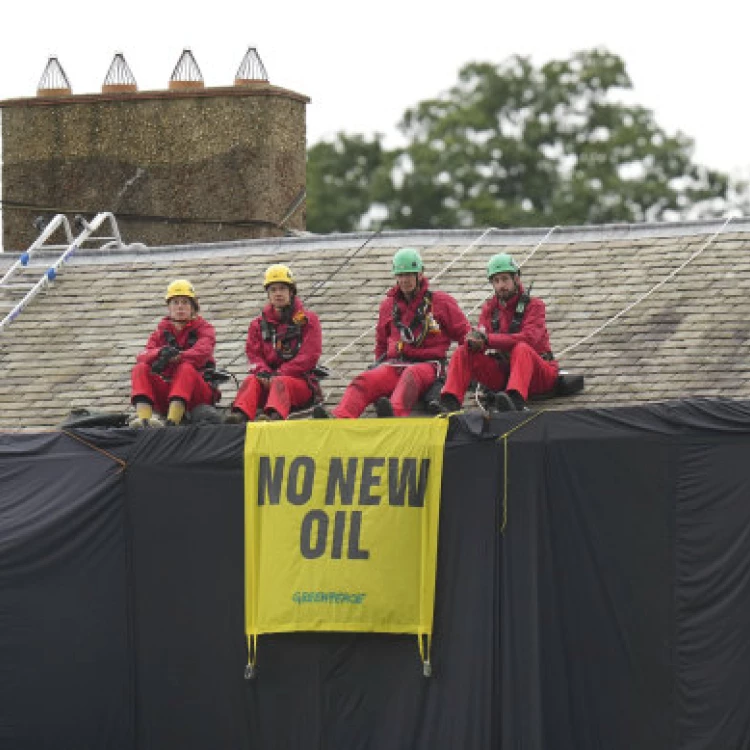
x=341, y=525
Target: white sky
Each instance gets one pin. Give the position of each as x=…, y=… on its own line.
x=364, y=63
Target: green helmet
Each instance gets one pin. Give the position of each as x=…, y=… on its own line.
x=407, y=260
x=502, y=263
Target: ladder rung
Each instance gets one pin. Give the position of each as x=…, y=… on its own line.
x=27, y=288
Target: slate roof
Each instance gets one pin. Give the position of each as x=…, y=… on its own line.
x=688, y=336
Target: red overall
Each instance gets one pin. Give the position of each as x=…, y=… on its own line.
x=290, y=383
x=410, y=369
x=523, y=370
x=184, y=379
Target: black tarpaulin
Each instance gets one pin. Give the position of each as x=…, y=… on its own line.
x=66, y=656
x=612, y=613
x=352, y=691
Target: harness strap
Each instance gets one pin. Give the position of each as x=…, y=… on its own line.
x=418, y=323
x=441, y=365
x=286, y=346
x=171, y=340
x=515, y=324
x=518, y=313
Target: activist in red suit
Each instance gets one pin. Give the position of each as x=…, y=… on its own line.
x=168, y=378
x=510, y=350
x=283, y=346
x=414, y=332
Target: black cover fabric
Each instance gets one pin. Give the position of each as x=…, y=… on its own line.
x=66, y=657
x=587, y=586
x=185, y=494
x=612, y=613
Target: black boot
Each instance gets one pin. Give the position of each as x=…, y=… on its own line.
x=518, y=400
x=503, y=402
x=235, y=416
x=319, y=412
x=268, y=416
x=449, y=404
x=384, y=407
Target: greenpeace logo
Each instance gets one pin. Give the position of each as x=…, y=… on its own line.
x=327, y=597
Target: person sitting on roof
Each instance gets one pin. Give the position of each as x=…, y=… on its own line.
x=510, y=350
x=414, y=331
x=283, y=346
x=168, y=378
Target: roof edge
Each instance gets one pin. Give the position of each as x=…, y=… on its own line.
x=261, y=89
x=521, y=237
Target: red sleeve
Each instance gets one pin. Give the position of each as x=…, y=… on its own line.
x=255, y=349
x=456, y=323
x=153, y=347
x=202, y=351
x=383, y=328
x=309, y=353
x=533, y=330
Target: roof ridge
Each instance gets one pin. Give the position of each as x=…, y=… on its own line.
x=424, y=237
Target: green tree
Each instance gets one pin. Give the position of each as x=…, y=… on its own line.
x=343, y=180
x=515, y=145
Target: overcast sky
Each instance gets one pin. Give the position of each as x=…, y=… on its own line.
x=364, y=63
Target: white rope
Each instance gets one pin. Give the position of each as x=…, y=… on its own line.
x=432, y=279
x=350, y=344
x=478, y=388
x=647, y=294
x=538, y=245
x=461, y=254
x=520, y=265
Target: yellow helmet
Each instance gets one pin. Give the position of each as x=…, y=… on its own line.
x=182, y=288
x=279, y=274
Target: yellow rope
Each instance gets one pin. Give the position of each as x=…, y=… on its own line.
x=504, y=438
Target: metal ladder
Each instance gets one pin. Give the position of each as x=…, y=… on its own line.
x=20, y=284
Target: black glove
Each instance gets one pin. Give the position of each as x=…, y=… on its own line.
x=166, y=355
x=477, y=340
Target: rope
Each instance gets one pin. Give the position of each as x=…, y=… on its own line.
x=504, y=438
x=647, y=294
x=369, y=330
x=538, y=245
x=123, y=464
x=345, y=262
x=544, y=239
x=322, y=283
x=466, y=250
x=521, y=264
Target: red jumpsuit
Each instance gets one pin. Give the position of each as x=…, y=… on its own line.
x=287, y=354
x=409, y=369
x=522, y=369
x=183, y=380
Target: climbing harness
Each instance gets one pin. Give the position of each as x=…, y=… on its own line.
x=422, y=322
x=287, y=345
